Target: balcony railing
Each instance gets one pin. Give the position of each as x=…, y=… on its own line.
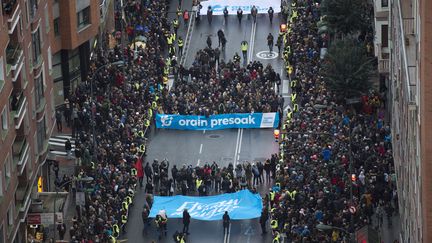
x=19, y=108
x=13, y=56
x=383, y=65
x=22, y=194
x=21, y=154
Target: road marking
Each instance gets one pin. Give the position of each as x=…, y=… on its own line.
x=285, y=87
x=227, y=235
x=236, y=147
x=267, y=55
x=203, y=131
x=199, y=161
x=251, y=42
x=201, y=146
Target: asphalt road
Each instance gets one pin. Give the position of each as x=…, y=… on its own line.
x=222, y=146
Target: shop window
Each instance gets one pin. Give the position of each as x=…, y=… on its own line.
x=83, y=18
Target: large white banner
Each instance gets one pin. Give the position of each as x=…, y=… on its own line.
x=246, y=5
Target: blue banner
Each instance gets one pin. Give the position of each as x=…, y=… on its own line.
x=217, y=122
x=240, y=205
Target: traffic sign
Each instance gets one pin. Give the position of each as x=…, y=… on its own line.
x=267, y=55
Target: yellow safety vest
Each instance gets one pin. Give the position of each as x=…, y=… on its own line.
x=244, y=47
x=92, y=165
x=170, y=40
x=125, y=205
x=133, y=172
x=154, y=104
x=274, y=224
x=290, y=69
x=173, y=36
x=140, y=134
x=198, y=183
x=124, y=219
x=293, y=83
x=272, y=196
x=293, y=97
x=180, y=43
x=276, y=238
x=142, y=148
x=295, y=109
x=176, y=23
x=116, y=229
x=112, y=239
x=150, y=113
x=128, y=200
x=147, y=123
x=289, y=115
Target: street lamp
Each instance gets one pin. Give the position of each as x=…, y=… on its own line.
x=93, y=104
x=84, y=179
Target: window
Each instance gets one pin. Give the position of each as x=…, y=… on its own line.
x=4, y=120
x=36, y=46
x=384, y=35
x=47, y=23
x=41, y=134
x=39, y=90
x=83, y=18
x=1, y=195
x=33, y=8
x=7, y=169
x=57, y=71
x=2, y=72
x=10, y=215
x=384, y=3
x=49, y=59
x=56, y=26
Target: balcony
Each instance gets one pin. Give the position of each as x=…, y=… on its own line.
x=23, y=196
x=19, y=108
x=21, y=154
x=383, y=59
x=14, y=60
x=381, y=9
x=12, y=11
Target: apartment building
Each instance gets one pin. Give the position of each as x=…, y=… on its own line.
x=26, y=109
x=403, y=45
x=75, y=26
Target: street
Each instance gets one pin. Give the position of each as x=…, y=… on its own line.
x=223, y=146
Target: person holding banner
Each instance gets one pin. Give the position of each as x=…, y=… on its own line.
x=254, y=13
x=239, y=15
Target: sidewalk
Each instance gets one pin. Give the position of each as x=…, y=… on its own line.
x=66, y=167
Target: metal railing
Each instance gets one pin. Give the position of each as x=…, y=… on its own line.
x=12, y=54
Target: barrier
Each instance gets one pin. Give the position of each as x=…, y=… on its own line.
x=246, y=5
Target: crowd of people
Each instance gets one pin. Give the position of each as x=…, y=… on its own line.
x=207, y=89
x=126, y=83
x=336, y=165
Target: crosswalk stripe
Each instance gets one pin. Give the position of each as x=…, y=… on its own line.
x=64, y=136
x=58, y=144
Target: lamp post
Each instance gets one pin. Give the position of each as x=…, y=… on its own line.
x=84, y=179
x=93, y=103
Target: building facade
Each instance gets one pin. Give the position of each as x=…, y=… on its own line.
x=27, y=109
x=75, y=26
x=402, y=44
